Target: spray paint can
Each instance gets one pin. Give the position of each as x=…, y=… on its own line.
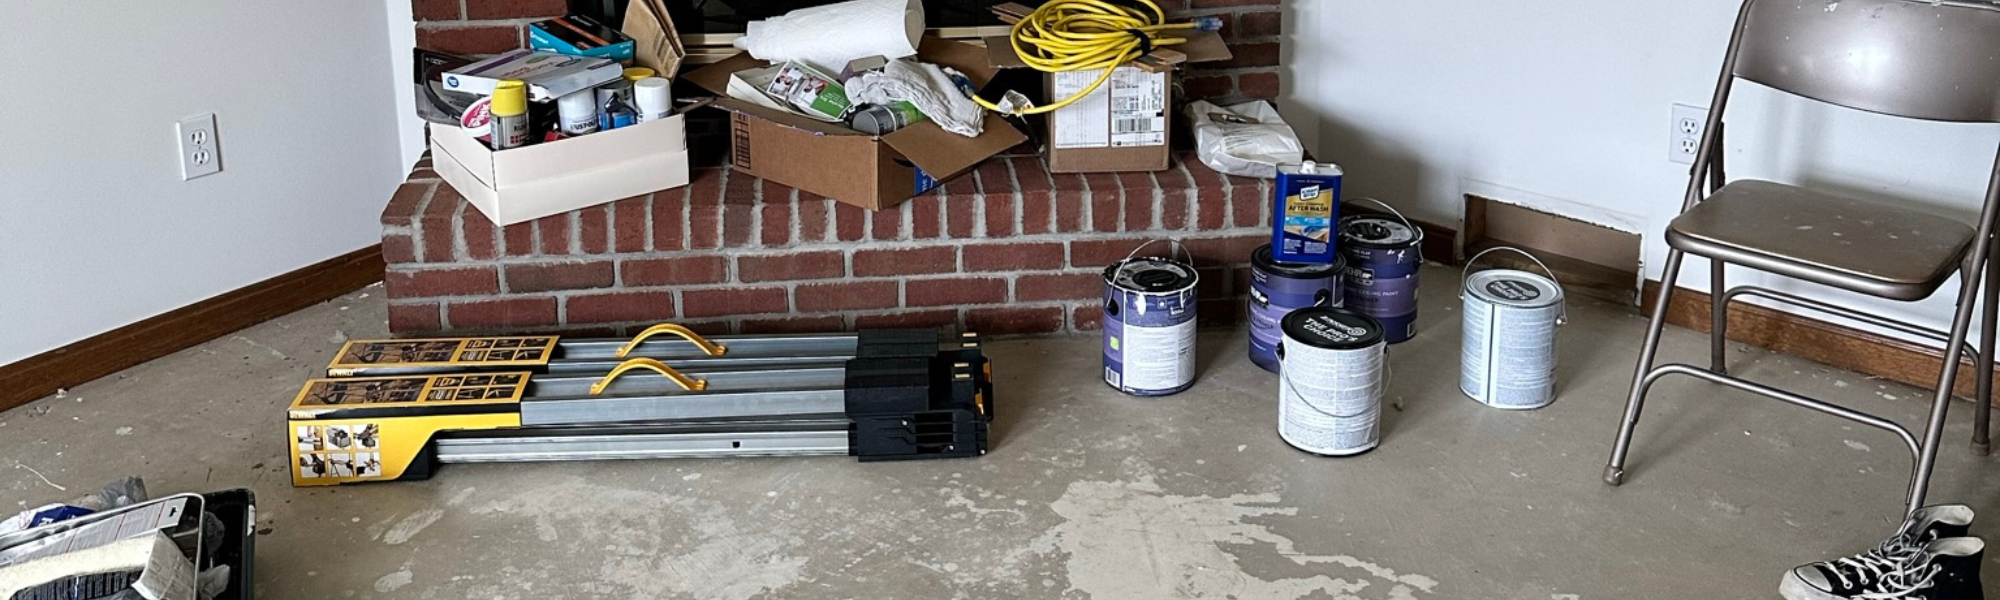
x=878, y=119
x=653, y=97
x=578, y=112
x=1331, y=381
x=1305, y=204
x=510, y=115
x=1149, y=326
x=1277, y=289
x=1384, y=256
x=1508, y=360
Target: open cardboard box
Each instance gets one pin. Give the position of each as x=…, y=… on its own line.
x=829, y=159
x=1100, y=133
x=531, y=182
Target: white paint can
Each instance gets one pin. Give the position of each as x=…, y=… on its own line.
x=1331, y=380
x=1508, y=357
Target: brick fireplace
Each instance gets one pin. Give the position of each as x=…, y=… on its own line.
x=1006, y=249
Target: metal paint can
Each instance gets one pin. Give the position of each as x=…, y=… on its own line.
x=1508, y=360
x=1305, y=204
x=1384, y=256
x=1277, y=289
x=1149, y=325
x=1331, y=381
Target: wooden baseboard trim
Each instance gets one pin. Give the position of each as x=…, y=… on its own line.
x=112, y=351
x=1820, y=341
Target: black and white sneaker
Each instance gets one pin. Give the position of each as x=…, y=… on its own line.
x=1945, y=569
x=1845, y=577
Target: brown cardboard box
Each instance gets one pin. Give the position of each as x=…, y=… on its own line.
x=1127, y=124
x=853, y=167
x=655, y=42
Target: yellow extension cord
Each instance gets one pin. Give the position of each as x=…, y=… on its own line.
x=1077, y=35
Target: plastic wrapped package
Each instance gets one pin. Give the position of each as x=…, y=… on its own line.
x=829, y=36
x=1247, y=139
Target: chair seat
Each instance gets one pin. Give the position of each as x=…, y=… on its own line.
x=1871, y=247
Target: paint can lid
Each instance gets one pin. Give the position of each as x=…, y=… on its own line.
x=1508, y=287
x=1262, y=259
x=1375, y=231
x=1150, y=275
x=1332, y=328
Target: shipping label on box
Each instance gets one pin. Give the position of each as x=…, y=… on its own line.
x=1128, y=110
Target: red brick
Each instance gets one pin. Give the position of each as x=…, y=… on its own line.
x=423, y=174
x=850, y=221
x=1239, y=281
x=924, y=218
x=828, y=264
x=560, y=276
x=965, y=184
x=628, y=224
x=430, y=283
x=477, y=39
x=1086, y=317
x=1174, y=198
x=1211, y=200
x=1064, y=286
x=819, y=324
x=1014, y=320
x=1101, y=252
x=954, y=292
x=1139, y=200
x=739, y=198
x=962, y=216
x=812, y=217
x=412, y=318
x=776, y=230
x=1214, y=283
x=510, y=313
x=1221, y=313
x=704, y=222
x=905, y=261
x=677, y=270
x=1209, y=86
x=514, y=9
x=436, y=10
x=908, y=318
x=439, y=234
x=1226, y=250
x=1262, y=86
x=1105, y=200
x=403, y=205
x=1246, y=202
x=1227, y=3
x=1267, y=23
x=733, y=301
x=1014, y=257
x=475, y=233
x=1246, y=55
x=1036, y=200
x=669, y=220
x=887, y=224
x=1069, y=208
x=519, y=239
x=848, y=296
x=398, y=248
x=552, y=235
x=594, y=229
x=619, y=307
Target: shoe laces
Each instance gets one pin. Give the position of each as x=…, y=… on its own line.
x=1877, y=563
x=1913, y=574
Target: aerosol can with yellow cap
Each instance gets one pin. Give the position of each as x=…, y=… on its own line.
x=510, y=114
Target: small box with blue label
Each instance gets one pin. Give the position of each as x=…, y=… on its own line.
x=1305, y=207
x=579, y=36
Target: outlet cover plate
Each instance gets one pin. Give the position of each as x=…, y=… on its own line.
x=1684, y=133
x=201, y=154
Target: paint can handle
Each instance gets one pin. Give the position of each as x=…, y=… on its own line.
x=1175, y=247
x=687, y=383
x=1561, y=319
x=707, y=347
x=1381, y=388
x=1399, y=216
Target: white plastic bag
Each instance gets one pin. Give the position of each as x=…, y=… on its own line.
x=1247, y=139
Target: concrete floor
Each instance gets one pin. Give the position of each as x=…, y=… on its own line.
x=1086, y=493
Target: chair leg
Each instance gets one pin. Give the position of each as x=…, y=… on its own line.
x=1982, y=413
x=1961, y=320
x=1718, y=318
x=1614, y=471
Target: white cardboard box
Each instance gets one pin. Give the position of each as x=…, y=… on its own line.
x=531, y=182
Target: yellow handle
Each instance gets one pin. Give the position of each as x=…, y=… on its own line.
x=712, y=348
x=687, y=383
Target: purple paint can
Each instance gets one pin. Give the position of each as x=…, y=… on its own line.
x=1384, y=255
x=1277, y=289
x=1149, y=325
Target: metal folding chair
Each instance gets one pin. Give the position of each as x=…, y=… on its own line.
x=1917, y=59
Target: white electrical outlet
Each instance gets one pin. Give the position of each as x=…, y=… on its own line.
x=201, y=154
x=1684, y=136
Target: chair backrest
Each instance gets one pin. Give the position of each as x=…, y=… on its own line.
x=1920, y=59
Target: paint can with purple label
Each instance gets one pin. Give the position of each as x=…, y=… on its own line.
x=1149, y=326
x=1384, y=256
x=1277, y=289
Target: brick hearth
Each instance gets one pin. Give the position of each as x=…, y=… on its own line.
x=1005, y=249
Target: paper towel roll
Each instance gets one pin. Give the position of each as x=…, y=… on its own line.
x=829, y=36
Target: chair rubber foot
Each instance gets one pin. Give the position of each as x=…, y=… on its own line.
x=1613, y=475
x=1982, y=448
